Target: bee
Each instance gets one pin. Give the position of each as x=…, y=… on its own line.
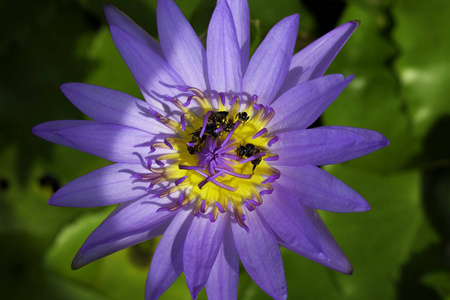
x=218, y=117
x=228, y=126
x=215, y=120
x=195, y=142
x=242, y=116
x=192, y=149
x=249, y=150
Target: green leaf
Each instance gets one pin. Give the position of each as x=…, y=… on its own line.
x=440, y=281
x=377, y=242
x=423, y=66
x=372, y=100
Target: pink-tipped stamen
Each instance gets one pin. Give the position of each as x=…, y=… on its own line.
x=188, y=101
x=255, y=203
x=205, y=122
x=272, y=158
x=271, y=178
x=234, y=99
x=222, y=98
x=259, y=133
x=159, y=163
x=266, y=192
x=258, y=155
x=243, y=176
x=236, y=125
x=211, y=217
x=219, y=184
x=180, y=180
x=208, y=179
x=196, y=168
x=258, y=106
x=272, y=141
x=168, y=144
x=219, y=207
x=183, y=123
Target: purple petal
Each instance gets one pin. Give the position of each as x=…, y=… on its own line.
x=313, y=187
x=113, y=246
x=270, y=62
x=167, y=262
x=336, y=257
x=223, y=52
x=47, y=131
x=110, y=106
x=117, y=18
x=260, y=255
x=153, y=75
x=288, y=222
x=313, y=60
x=326, y=145
x=306, y=102
x=182, y=48
x=241, y=17
x=112, y=142
x=200, y=250
x=224, y=276
x=129, y=219
x=109, y=185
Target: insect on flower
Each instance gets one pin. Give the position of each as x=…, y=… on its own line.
x=219, y=158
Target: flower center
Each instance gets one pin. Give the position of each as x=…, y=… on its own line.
x=220, y=157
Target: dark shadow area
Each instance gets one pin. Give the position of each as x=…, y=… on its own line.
x=326, y=12
x=435, y=163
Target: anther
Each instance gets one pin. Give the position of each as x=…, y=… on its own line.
x=219, y=207
x=259, y=133
x=234, y=99
x=205, y=122
x=180, y=180
x=208, y=179
x=271, y=178
x=238, y=175
x=222, y=98
x=183, y=123
x=272, y=158
x=258, y=155
x=168, y=144
x=272, y=141
x=183, y=167
x=188, y=101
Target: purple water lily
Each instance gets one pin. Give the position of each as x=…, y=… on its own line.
x=219, y=158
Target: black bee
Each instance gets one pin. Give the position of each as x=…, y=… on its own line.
x=218, y=117
x=192, y=149
x=249, y=150
x=242, y=116
x=228, y=126
x=215, y=120
x=195, y=142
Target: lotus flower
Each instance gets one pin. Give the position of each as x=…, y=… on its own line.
x=219, y=158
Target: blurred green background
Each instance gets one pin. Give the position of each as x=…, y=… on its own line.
x=400, y=57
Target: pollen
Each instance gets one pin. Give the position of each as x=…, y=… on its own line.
x=220, y=157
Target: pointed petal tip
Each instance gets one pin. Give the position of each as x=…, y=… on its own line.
x=76, y=262
x=362, y=206
x=349, y=77
x=295, y=18
x=195, y=291
x=349, y=271
x=69, y=86
x=108, y=6
x=356, y=22
x=35, y=130
x=385, y=142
